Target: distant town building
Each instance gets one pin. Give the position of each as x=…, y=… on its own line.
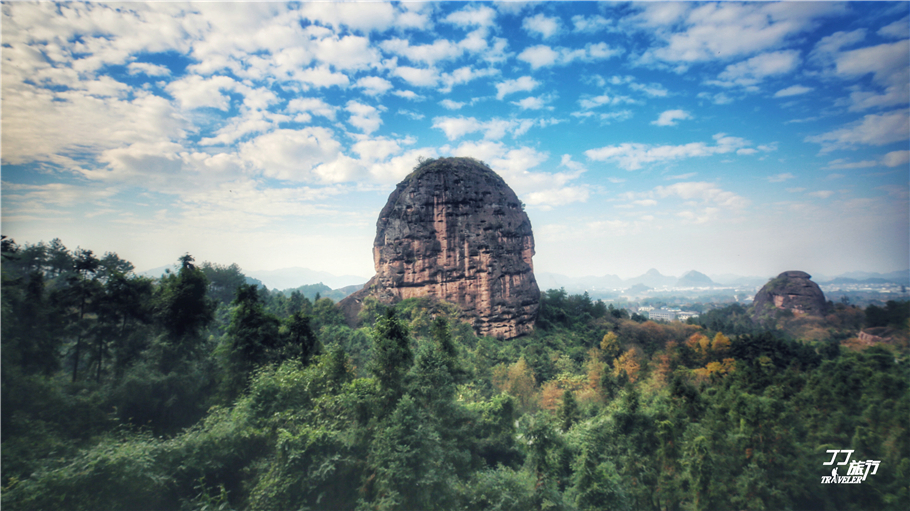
x=662, y=315
x=671, y=315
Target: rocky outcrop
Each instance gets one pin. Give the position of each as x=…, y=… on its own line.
x=454, y=230
x=792, y=291
x=875, y=335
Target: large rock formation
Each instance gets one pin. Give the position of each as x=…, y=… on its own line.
x=793, y=291
x=454, y=230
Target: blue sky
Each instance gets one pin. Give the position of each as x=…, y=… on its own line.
x=728, y=138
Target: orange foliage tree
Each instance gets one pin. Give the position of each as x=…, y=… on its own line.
x=628, y=363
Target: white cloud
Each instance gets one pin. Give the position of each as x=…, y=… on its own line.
x=41, y=125
x=780, y=178
x=408, y=94
x=543, y=190
x=345, y=53
x=591, y=24
x=374, y=85
x=541, y=25
x=702, y=191
x=539, y=56
x=448, y=104
x=793, y=90
x=51, y=202
x=842, y=164
x=248, y=122
x=198, y=92
x=670, y=117
x=364, y=117
x=687, y=175
x=147, y=69
x=698, y=33
x=654, y=90
x=899, y=29
x=376, y=149
x=456, y=127
x=621, y=115
x=821, y=194
x=660, y=14
x=896, y=158
x=547, y=199
x=366, y=17
x=463, y=75
x=153, y=161
x=494, y=129
x=294, y=155
x=605, y=99
x=752, y=71
x=418, y=77
x=481, y=16
x=873, y=129
x=313, y=106
x=411, y=114
x=718, y=99
x=534, y=102
x=828, y=47
x=632, y=156
x=398, y=167
x=165, y=167
x=566, y=161
x=886, y=62
x=523, y=84
x=892, y=159
x=428, y=54
x=321, y=76
x=888, y=65
x=544, y=56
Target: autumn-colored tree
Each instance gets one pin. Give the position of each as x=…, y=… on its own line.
x=720, y=344
x=628, y=363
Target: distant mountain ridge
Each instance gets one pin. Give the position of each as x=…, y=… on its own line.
x=656, y=280
x=293, y=278
x=288, y=278
x=284, y=278
x=860, y=277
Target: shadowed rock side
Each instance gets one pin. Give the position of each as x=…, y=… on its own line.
x=454, y=230
x=791, y=290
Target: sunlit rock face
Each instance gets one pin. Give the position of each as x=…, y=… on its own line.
x=793, y=291
x=455, y=231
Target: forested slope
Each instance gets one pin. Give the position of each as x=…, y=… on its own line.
x=198, y=391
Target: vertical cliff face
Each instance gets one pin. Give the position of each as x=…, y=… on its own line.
x=454, y=230
x=791, y=290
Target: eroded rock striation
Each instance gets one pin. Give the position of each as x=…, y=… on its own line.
x=793, y=291
x=454, y=230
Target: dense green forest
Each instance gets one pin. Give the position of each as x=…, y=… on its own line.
x=200, y=391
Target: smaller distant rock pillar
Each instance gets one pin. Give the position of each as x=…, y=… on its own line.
x=793, y=291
